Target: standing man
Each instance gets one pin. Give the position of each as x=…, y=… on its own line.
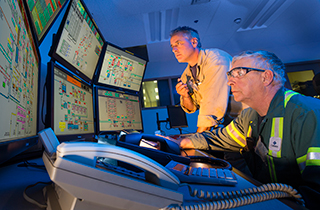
x=203, y=84
x=279, y=136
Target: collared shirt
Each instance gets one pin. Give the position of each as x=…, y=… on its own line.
x=209, y=91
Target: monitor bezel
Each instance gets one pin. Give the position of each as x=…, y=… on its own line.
x=171, y=108
x=50, y=105
x=96, y=108
x=13, y=147
x=56, y=39
x=100, y=64
x=39, y=39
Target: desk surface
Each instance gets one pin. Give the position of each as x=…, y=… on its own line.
x=15, y=179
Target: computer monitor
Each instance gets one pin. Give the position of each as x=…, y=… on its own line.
x=19, y=67
x=117, y=111
x=120, y=69
x=70, y=105
x=78, y=42
x=176, y=116
x=43, y=13
x=301, y=82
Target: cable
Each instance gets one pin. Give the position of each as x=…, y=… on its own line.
x=28, y=164
x=43, y=96
x=232, y=199
x=30, y=200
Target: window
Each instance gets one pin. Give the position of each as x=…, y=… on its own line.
x=159, y=93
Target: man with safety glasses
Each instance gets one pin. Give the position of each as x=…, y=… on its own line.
x=279, y=135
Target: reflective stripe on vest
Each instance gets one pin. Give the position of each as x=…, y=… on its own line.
x=287, y=96
x=277, y=131
x=236, y=135
x=249, y=133
x=312, y=158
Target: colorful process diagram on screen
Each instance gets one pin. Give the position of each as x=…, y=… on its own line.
x=121, y=69
x=18, y=74
x=118, y=111
x=43, y=14
x=80, y=43
x=73, y=107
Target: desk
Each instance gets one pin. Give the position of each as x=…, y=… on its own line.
x=14, y=180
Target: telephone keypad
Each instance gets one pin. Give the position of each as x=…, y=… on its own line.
x=200, y=175
x=205, y=172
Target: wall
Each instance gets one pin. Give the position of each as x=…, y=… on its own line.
x=160, y=70
x=164, y=69
x=149, y=118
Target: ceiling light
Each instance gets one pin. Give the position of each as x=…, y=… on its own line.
x=199, y=1
x=237, y=20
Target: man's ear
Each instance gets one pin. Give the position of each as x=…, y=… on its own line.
x=194, y=42
x=268, y=77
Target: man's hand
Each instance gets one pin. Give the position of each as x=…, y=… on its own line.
x=201, y=129
x=182, y=89
x=183, y=143
x=170, y=139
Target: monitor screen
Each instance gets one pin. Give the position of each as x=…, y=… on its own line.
x=71, y=106
x=301, y=82
x=118, y=111
x=78, y=43
x=121, y=69
x=19, y=67
x=177, y=117
x=43, y=14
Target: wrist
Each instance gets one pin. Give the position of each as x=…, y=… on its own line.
x=186, y=144
x=186, y=97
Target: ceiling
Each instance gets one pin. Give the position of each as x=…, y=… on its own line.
x=289, y=28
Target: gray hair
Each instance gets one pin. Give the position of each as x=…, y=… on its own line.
x=266, y=60
x=190, y=32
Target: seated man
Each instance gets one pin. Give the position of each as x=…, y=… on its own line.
x=279, y=135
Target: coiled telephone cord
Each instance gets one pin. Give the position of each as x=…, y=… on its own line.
x=232, y=199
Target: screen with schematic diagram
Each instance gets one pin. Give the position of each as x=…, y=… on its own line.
x=78, y=43
x=19, y=67
x=118, y=111
x=43, y=14
x=19, y=80
x=72, y=105
x=122, y=69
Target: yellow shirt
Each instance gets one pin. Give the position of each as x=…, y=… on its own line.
x=210, y=90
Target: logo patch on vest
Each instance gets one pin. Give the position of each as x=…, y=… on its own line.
x=275, y=144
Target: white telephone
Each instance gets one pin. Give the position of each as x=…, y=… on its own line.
x=72, y=167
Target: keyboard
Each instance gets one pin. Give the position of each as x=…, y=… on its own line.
x=199, y=175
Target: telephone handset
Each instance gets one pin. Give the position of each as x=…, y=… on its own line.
x=155, y=173
x=87, y=152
